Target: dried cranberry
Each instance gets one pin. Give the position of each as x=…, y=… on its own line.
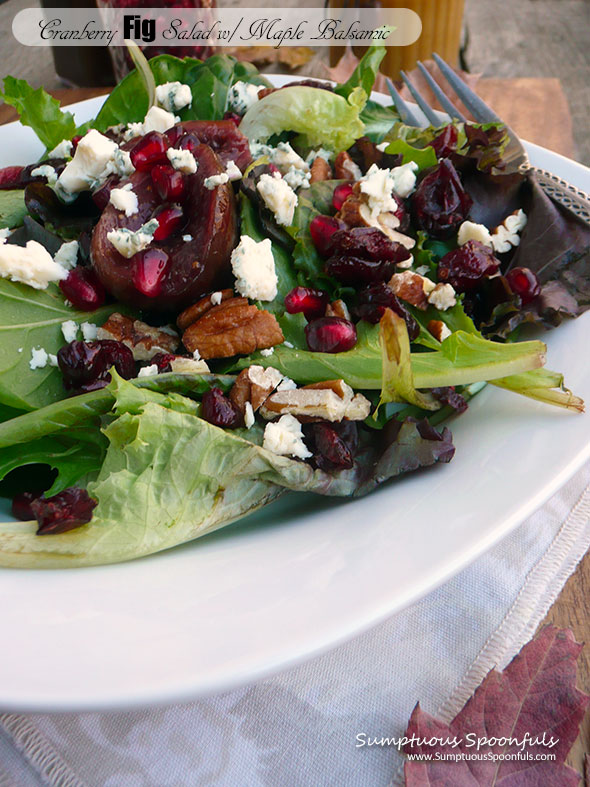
x=65, y=511
x=524, y=282
x=311, y=302
x=341, y=194
x=440, y=203
x=170, y=220
x=102, y=194
x=163, y=361
x=446, y=142
x=466, y=266
x=168, y=182
x=331, y=449
x=149, y=150
x=83, y=289
x=451, y=398
x=370, y=243
x=21, y=505
x=219, y=411
x=373, y=301
x=355, y=270
x=330, y=335
x=401, y=212
x=85, y=365
x=149, y=271
x=322, y=229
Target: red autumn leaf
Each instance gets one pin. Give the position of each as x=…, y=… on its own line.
x=524, y=720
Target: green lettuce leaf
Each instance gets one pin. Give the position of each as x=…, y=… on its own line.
x=320, y=117
x=423, y=157
x=209, y=81
x=40, y=111
x=365, y=73
x=32, y=319
x=12, y=208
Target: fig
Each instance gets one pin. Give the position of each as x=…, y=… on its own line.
x=223, y=136
x=196, y=266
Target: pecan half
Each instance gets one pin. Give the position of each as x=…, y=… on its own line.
x=320, y=170
x=355, y=212
x=254, y=385
x=412, y=288
x=338, y=309
x=192, y=314
x=345, y=168
x=143, y=340
x=332, y=400
x=232, y=328
x=438, y=329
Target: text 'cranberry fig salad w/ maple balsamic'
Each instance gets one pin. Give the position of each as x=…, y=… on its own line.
x=218, y=290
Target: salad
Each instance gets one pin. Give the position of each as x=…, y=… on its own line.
x=217, y=291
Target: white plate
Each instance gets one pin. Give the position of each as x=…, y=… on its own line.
x=297, y=578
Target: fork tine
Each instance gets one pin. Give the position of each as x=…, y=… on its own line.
x=405, y=113
x=422, y=103
x=442, y=99
x=478, y=108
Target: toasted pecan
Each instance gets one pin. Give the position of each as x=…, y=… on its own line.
x=330, y=400
x=232, y=328
x=143, y=340
x=412, y=288
x=192, y=313
x=320, y=170
x=345, y=168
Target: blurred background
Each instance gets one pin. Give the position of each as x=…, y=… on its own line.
x=528, y=57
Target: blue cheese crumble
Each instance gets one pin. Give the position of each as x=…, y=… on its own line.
x=32, y=265
x=182, y=160
x=279, y=197
x=67, y=254
x=125, y=199
x=241, y=96
x=253, y=265
x=173, y=96
x=45, y=171
x=129, y=242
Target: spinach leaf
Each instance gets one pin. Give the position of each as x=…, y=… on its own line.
x=12, y=208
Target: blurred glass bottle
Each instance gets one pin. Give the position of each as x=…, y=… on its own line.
x=442, y=22
x=122, y=63
x=81, y=66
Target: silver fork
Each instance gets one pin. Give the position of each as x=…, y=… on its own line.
x=516, y=157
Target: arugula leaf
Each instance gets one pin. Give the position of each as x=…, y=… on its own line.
x=12, y=208
x=365, y=73
x=32, y=319
x=40, y=111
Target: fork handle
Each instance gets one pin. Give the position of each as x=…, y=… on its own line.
x=562, y=192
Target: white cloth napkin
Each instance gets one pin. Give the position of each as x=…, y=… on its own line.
x=300, y=727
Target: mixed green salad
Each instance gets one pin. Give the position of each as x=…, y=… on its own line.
x=218, y=290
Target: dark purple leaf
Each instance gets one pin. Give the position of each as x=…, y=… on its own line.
x=534, y=698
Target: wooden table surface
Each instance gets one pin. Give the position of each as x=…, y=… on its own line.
x=525, y=104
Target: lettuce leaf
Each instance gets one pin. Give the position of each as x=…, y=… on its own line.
x=365, y=74
x=40, y=111
x=320, y=117
x=12, y=208
x=210, y=82
x=169, y=477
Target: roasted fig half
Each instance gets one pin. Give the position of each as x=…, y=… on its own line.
x=188, y=257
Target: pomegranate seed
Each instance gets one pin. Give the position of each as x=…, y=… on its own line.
x=149, y=270
x=311, y=302
x=341, y=194
x=163, y=361
x=466, y=267
x=65, y=511
x=218, y=410
x=10, y=177
x=174, y=134
x=151, y=149
x=168, y=182
x=330, y=335
x=85, y=365
x=169, y=220
x=83, y=289
x=75, y=141
x=524, y=282
x=189, y=142
x=21, y=506
x=233, y=117
x=321, y=229
x=102, y=194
